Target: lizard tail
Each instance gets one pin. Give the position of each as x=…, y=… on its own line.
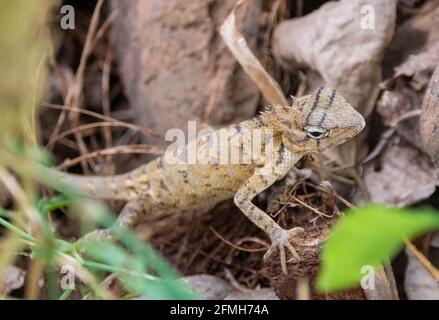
x=98, y=187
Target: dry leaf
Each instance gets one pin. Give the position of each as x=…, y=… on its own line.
x=429, y=121
x=419, y=284
x=395, y=105
x=414, y=52
x=237, y=44
x=401, y=176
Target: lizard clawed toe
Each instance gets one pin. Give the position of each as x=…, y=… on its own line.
x=281, y=239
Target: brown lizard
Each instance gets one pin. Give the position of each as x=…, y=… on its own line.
x=311, y=124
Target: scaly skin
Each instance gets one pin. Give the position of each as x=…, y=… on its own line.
x=313, y=123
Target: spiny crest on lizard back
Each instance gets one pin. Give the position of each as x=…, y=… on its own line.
x=315, y=122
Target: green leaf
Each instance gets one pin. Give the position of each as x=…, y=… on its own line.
x=368, y=237
x=46, y=205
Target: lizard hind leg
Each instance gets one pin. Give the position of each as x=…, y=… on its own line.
x=128, y=217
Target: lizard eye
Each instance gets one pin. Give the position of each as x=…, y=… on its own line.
x=316, y=132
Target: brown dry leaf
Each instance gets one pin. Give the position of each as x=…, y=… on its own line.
x=395, y=105
x=401, y=176
x=418, y=282
x=412, y=56
x=237, y=44
x=429, y=121
x=414, y=52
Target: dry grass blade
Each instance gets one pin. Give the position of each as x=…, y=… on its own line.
x=74, y=93
x=104, y=124
x=126, y=149
x=434, y=272
x=234, y=245
x=145, y=131
x=237, y=44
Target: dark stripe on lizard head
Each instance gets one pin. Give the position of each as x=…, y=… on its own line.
x=315, y=104
x=331, y=101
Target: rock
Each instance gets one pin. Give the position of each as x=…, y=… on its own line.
x=175, y=66
x=209, y=287
x=257, y=294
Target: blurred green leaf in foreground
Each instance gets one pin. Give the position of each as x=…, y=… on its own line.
x=369, y=237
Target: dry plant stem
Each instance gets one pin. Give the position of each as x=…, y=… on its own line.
x=33, y=130
x=237, y=44
x=127, y=149
x=14, y=188
x=34, y=276
x=385, y=137
x=235, y=284
x=434, y=272
x=105, y=26
x=236, y=246
x=89, y=126
x=106, y=70
x=106, y=283
x=73, y=97
x=75, y=92
x=218, y=83
x=145, y=131
x=303, y=289
x=321, y=214
x=33, y=217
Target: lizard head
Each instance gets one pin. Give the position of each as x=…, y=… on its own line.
x=320, y=121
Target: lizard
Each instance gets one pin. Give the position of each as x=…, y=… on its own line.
x=311, y=124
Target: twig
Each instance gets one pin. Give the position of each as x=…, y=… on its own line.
x=106, y=71
x=234, y=245
x=310, y=208
x=126, y=149
x=434, y=272
x=235, y=284
x=144, y=130
x=75, y=89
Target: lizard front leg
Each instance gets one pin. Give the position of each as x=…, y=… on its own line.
x=263, y=178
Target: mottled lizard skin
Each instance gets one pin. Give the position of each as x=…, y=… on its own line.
x=310, y=125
